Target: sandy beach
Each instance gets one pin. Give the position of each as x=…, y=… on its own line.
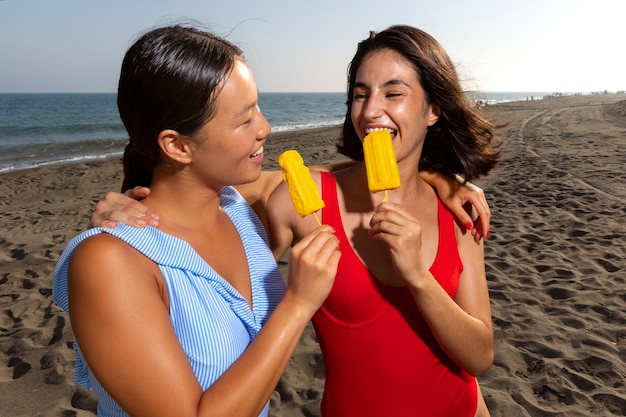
x=556, y=266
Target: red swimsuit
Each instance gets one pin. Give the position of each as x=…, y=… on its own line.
x=381, y=358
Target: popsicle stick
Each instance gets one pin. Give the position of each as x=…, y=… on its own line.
x=386, y=197
x=319, y=223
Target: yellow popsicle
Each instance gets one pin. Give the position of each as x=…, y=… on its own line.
x=380, y=162
x=302, y=189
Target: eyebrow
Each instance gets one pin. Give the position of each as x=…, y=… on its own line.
x=392, y=82
x=244, y=110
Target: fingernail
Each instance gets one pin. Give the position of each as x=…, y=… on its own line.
x=487, y=235
x=469, y=225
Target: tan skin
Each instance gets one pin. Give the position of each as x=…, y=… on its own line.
x=386, y=236
x=457, y=196
x=120, y=310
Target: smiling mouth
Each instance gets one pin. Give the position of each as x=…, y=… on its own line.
x=374, y=129
x=257, y=153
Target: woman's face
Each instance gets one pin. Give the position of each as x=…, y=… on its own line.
x=229, y=150
x=388, y=95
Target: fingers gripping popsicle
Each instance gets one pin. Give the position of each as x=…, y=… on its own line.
x=302, y=189
x=380, y=162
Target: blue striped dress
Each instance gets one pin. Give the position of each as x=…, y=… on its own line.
x=212, y=320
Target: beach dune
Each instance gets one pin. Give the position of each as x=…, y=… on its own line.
x=556, y=266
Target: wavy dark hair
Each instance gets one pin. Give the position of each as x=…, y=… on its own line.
x=170, y=78
x=462, y=141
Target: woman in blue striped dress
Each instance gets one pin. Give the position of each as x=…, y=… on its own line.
x=191, y=318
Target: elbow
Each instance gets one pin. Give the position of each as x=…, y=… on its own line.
x=483, y=362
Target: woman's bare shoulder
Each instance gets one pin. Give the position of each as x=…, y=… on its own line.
x=96, y=252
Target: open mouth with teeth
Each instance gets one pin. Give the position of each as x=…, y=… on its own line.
x=257, y=153
x=392, y=132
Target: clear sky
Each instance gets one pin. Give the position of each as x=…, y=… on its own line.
x=292, y=45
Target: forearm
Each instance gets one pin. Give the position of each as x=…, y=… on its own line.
x=438, y=179
x=456, y=193
x=466, y=339
x=250, y=381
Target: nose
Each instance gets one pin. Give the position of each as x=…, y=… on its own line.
x=264, y=127
x=374, y=108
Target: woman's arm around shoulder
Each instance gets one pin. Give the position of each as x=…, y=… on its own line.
x=127, y=207
x=124, y=208
x=466, y=201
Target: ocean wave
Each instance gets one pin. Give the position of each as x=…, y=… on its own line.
x=17, y=155
x=30, y=163
x=306, y=125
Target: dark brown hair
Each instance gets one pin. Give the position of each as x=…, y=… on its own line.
x=462, y=141
x=170, y=78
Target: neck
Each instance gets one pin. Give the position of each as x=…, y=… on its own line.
x=183, y=202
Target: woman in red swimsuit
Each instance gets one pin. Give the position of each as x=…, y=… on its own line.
x=407, y=326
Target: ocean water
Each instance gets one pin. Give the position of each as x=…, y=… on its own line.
x=49, y=129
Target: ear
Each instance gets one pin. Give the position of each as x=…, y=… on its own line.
x=433, y=114
x=174, y=146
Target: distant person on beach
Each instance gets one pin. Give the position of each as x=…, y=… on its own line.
x=192, y=318
x=397, y=338
x=407, y=326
